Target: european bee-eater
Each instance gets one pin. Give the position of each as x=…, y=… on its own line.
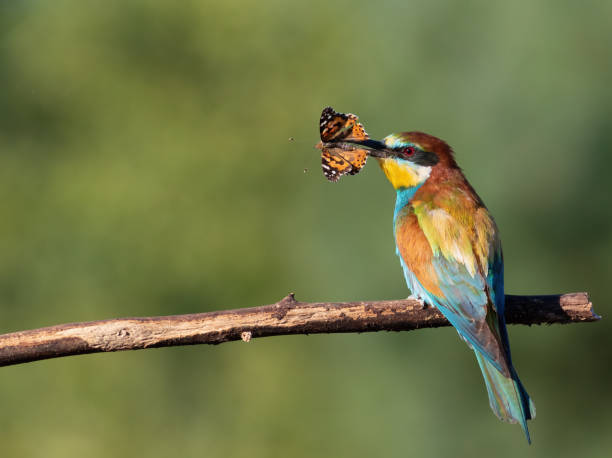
x=449, y=248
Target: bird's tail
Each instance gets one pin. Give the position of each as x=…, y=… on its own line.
x=507, y=396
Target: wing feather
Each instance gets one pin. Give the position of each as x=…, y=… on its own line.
x=448, y=261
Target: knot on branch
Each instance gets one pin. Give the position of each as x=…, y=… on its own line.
x=246, y=336
x=284, y=305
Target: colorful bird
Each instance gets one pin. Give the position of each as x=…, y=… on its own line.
x=449, y=248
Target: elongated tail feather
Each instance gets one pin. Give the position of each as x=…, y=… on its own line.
x=507, y=396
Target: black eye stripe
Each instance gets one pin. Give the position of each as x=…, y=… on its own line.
x=418, y=156
x=425, y=158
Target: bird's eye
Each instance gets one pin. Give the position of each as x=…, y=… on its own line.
x=408, y=151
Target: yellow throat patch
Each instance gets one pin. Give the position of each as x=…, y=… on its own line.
x=403, y=174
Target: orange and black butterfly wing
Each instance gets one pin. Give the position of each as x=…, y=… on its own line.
x=339, y=160
x=336, y=127
x=334, y=165
x=357, y=158
x=336, y=162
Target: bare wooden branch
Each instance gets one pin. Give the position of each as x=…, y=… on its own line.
x=287, y=316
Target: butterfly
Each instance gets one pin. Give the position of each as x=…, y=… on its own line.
x=338, y=157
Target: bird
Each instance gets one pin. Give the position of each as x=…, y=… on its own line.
x=451, y=253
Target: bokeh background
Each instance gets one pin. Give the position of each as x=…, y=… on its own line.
x=145, y=169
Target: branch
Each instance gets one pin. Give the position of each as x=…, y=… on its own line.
x=287, y=316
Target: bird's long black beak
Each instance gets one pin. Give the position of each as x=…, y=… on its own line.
x=375, y=148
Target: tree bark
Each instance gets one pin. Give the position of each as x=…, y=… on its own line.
x=287, y=316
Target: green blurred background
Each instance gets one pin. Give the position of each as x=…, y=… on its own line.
x=145, y=169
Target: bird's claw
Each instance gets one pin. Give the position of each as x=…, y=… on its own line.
x=414, y=297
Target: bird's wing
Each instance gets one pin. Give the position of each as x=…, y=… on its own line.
x=454, y=259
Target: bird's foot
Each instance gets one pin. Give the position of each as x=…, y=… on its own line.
x=414, y=297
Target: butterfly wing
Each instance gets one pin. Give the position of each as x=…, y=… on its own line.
x=335, y=127
x=338, y=160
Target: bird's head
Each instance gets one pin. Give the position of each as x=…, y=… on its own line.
x=408, y=158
